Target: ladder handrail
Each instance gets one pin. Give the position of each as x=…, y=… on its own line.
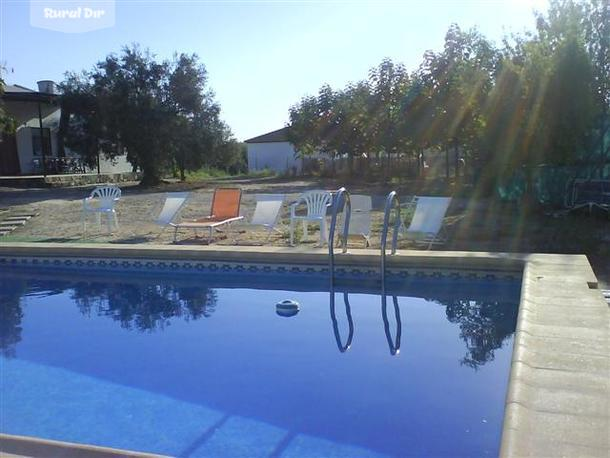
x=342, y=193
x=350, y=322
x=393, y=343
x=391, y=202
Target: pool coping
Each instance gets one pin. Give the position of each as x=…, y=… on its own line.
x=558, y=397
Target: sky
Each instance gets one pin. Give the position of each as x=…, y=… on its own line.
x=261, y=56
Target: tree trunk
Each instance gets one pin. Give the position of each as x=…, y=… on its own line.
x=150, y=176
x=456, y=155
x=64, y=119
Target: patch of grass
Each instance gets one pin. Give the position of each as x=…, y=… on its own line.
x=206, y=173
x=265, y=173
x=211, y=173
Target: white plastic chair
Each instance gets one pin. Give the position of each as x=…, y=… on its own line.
x=317, y=203
x=102, y=201
x=267, y=211
x=174, y=201
x=427, y=222
x=360, y=221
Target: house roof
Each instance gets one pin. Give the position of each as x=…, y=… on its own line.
x=19, y=93
x=277, y=136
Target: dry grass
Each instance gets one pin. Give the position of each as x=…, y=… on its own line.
x=473, y=225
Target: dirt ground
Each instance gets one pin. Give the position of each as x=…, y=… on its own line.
x=471, y=225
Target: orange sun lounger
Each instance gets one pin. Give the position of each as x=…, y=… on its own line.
x=225, y=210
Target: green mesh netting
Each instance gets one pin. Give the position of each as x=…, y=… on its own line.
x=551, y=183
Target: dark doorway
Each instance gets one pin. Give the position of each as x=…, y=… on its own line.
x=9, y=160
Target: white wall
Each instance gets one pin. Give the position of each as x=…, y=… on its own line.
x=277, y=156
x=23, y=137
x=119, y=165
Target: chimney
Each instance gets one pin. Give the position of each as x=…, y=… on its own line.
x=46, y=86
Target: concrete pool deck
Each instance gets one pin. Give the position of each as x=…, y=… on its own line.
x=558, y=400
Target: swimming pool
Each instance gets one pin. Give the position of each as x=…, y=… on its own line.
x=203, y=365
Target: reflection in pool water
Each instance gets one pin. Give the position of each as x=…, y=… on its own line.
x=353, y=374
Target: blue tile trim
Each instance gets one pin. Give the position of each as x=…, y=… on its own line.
x=175, y=266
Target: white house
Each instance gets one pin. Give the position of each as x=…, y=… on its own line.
x=273, y=151
x=33, y=148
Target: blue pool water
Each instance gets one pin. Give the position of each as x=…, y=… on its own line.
x=204, y=366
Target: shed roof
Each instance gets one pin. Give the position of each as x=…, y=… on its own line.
x=276, y=136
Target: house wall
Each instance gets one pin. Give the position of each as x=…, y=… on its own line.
x=279, y=157
x=119, y=165
x=23, y=137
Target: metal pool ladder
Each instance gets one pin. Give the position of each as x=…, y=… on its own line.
x=391, y=202
x=342, y=200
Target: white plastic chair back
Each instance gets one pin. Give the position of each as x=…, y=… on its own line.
x=317, y=203
x=429, y=214
x=267, y=209
x=102, y=199
x=174, y=201
x=106, y=192
x=360, y=221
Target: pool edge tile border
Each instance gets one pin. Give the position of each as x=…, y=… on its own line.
x=538, y=421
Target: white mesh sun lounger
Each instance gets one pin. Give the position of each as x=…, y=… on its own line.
x=360, y=220
x=267, y=211
x=174, y=201
x=427, y=222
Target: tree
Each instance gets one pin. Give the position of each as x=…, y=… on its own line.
x=541, y=99
x=588, y=24
x=81, y=126
x=161, y=114
x=597, y=33
x=541, y=109
x=7, y=123
x=455, y=83
x=309, y=121
x=389, y=84
x=197, y=129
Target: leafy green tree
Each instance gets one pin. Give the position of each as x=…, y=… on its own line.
x=346, y=131
x=587, y=23
x=161, y=114
x=7, y=123
x=542, y=107
x=455, y=83
x=81, y=126
x=389, y=84
x=597, y=36
x=310, y=121
x=542, y=99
